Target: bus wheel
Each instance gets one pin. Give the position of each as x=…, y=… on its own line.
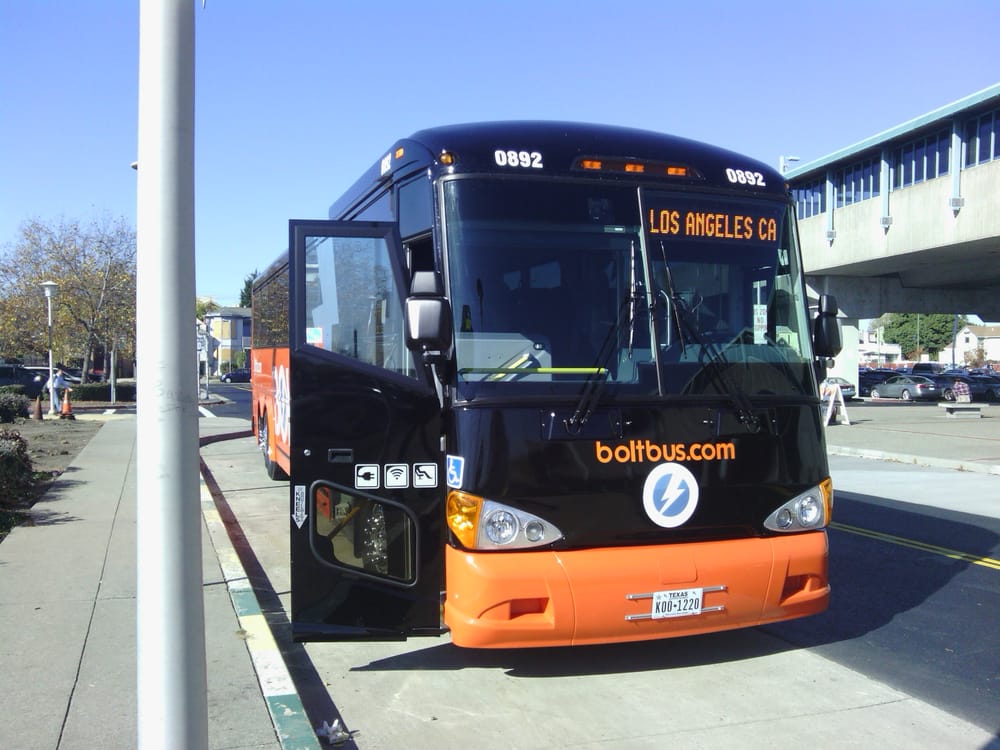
x=274, y=471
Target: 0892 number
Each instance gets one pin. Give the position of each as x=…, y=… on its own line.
x=745, y=177
x=520, y=159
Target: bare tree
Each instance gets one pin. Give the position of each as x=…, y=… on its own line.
x=94, y=310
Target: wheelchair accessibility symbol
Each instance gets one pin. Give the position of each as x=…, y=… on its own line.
x=455, y=471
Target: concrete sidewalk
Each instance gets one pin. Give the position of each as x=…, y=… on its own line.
x=68, y=617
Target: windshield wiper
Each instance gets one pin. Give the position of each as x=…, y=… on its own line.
x=716, y=364
x=598, y=378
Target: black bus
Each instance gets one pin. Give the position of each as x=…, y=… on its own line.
x=550, y=384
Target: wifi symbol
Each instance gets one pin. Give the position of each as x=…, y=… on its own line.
x=397, y=475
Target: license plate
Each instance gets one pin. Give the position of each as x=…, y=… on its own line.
x=677, y=603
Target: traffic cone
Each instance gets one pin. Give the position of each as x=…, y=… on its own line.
x=37, y=413
x=67, y=410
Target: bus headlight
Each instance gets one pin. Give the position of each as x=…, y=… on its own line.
x=805, y=512
x=500, y=526
x=485, y=524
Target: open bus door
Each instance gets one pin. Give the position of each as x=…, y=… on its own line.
x=366, y=489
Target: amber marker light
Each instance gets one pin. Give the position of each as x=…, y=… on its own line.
x=634, y=167
x=399, y=152
x=826, y=488
x=674, y=171
x=591, y=164
x=463, y=516
x=447, y=158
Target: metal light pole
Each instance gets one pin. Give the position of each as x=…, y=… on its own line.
x=171, y=669
x=785, y=163
x=50, y=288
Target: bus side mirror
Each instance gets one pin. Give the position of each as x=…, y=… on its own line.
x=826, y=332
x=428, y=318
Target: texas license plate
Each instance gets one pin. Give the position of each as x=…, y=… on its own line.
x=677, y=603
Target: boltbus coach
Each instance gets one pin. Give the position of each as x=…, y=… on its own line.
x=547, y=384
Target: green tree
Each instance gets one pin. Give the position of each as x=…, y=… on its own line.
x=94, y=308
x=917, y=334
x=203, y=306
x=246, y=294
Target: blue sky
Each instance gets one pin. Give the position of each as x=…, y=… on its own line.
x=296, y=98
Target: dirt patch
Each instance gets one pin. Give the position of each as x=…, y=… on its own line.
x=53, y=443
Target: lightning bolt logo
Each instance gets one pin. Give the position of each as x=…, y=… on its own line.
x=673, y=495
x=670, y=495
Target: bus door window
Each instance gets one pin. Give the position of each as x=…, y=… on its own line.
x=352, y=304
x=373, y=536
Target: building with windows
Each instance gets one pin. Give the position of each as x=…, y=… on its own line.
x=974, y=345
x=229, y=329
x=907, y=220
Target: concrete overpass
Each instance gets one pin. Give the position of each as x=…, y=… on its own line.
x=907, y=220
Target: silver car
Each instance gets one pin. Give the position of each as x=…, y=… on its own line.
x=908, y=388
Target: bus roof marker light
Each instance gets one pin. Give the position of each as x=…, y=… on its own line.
x=635, y=167
x=447, y=158
x=594, y=164
x=399, y=152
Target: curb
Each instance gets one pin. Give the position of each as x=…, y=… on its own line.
x=288, y=716
x=904, y=458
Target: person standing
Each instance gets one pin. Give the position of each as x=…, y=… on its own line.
x=57, y=386
x=961, y=390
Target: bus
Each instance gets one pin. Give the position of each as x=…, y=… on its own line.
x=544, y=383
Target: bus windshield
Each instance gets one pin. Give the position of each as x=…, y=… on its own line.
x=646, y=292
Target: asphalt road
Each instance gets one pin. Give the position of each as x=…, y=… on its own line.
x=915, y=597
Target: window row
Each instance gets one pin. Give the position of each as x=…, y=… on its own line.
x=810, y=199
x=981, y=141
x=859, y=182
x=915, y=161
x=921, y=159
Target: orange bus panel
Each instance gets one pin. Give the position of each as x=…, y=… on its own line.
x=575, y=597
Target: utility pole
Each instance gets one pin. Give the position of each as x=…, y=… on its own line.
x=171, y=671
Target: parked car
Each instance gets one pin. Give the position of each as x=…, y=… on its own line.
x=867, y=379
x=908, y=388
x=847, y=389
x=236, y=376
x=17, y=375
x=978, y=389
x=929, y=369
x=991, y=384
x=43, y=372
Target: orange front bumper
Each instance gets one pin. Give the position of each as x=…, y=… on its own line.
x=561, y=598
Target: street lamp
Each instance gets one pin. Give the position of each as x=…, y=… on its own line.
x=785, y=162
x=50, y=288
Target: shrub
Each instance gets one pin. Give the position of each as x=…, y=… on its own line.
x=16, y=474
x=102, y=392
x=13, y=405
